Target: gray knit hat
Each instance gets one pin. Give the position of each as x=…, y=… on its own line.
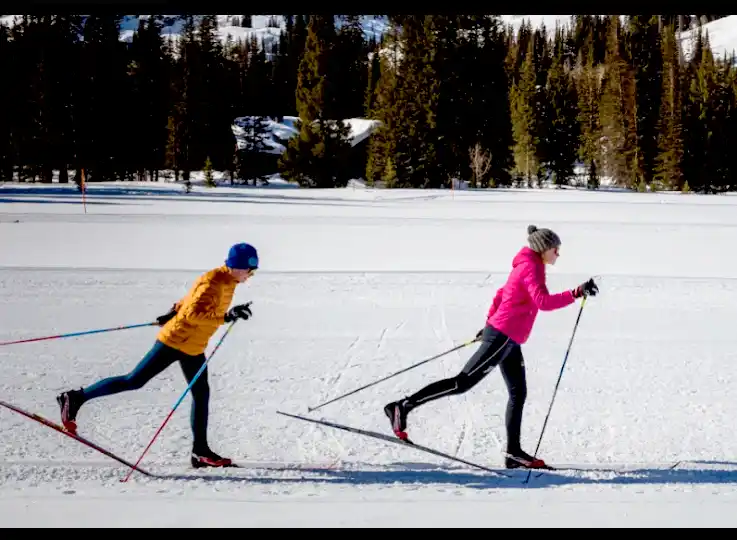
x=542, y=239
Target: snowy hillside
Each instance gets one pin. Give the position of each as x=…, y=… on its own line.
x=227, y=26
x=722, y=32
x=722, y=37
x=279, y=133
x=550, y=21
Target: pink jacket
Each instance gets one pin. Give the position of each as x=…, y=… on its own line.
x=516, y=304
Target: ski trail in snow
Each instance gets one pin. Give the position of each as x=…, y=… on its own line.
x=333, y=385
x=467, y=420
x=348, y=359
x=381, y=339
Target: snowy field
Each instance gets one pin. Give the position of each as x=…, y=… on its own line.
x=357, y=284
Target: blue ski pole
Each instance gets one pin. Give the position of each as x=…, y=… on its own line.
x=181, y=398
x=74, y=334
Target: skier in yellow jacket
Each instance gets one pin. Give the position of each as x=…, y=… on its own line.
x=184, y=336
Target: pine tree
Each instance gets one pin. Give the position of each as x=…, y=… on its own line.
x=442, y=86
x=564, y=131
x=67, y=30
x=253, y=157
x=6, y=138
x=374, y=73
x=524, y=119
x=446, y=104
x=618, y=113
x=41, y=123
x=182, y=122
x=416, y=155
x=518, y=51
x=542, y=107
x=28, y=121
x=668, y=167
x=388, y=109
x=588, y=79
x=720, y=139
x=646, y=60
x=350, y=56
x=207, y=169
x=286, y=66
x=317, y=157
x=493, y=108
x=149, y=73
x=255, y=103
x=697, y=113
x=102, y=87
x=214, y=136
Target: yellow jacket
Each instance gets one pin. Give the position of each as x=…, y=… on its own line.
x=200, y=313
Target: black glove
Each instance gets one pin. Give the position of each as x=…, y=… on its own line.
x=163, y=319
x=480, y=332
x=242, y=311
x=588, y=288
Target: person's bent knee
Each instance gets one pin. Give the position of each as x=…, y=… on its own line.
x=464, y=383
x=135, y=382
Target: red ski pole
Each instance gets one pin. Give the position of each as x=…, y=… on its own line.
x=78, y=333
x=181, y=398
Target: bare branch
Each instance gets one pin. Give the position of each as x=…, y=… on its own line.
x=480, y=162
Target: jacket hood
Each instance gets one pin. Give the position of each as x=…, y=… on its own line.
x=526, y=255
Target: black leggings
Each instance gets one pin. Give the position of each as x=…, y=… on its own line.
x=496, y=349
x=157, y=360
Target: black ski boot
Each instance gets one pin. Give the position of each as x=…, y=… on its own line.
x=397, y=413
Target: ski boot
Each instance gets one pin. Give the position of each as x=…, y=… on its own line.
x=69, y=404
x=208, y=458
x=520, y=459
x=397, y=413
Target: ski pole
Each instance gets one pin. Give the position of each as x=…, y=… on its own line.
x=181, y=398
x=555, y=391
x=467, y=343
x=74, y=334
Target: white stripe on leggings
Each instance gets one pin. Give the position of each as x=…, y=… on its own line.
x=474, y=370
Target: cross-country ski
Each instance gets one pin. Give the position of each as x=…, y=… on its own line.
x=48, y=423
x=395, y=440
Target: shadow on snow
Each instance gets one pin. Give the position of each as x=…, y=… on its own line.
x=437, y=476
x=134, y=193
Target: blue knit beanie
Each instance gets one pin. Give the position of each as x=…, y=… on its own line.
x=243, y=257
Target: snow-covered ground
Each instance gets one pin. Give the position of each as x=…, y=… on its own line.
x=357, y=284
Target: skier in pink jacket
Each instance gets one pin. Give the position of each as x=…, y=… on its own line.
x=508, y=325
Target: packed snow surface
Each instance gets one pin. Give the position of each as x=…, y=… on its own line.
x=356, y=284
